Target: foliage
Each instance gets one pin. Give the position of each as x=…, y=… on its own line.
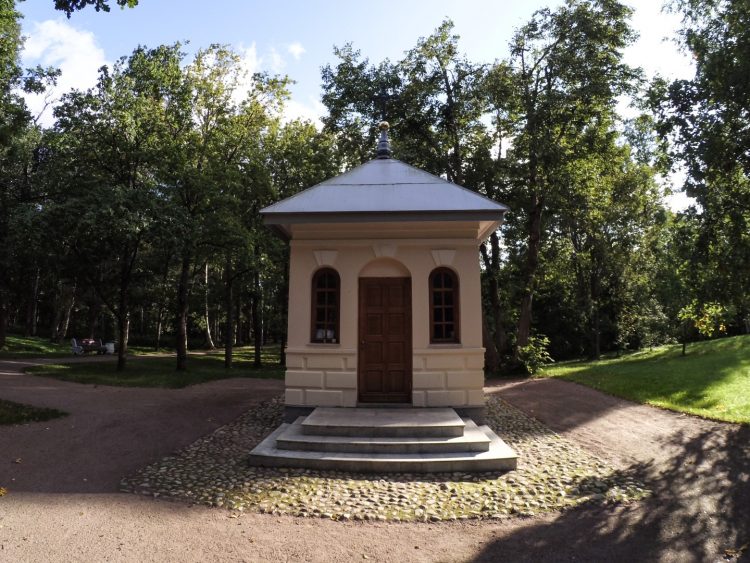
x=70, y=6
x=712, y=382
x=555, y=99
x=16, y=413
x=538, y=132
x=108, y=141
x=137, y=215
x=534, y=355
x=707, y=318
x=705, y=125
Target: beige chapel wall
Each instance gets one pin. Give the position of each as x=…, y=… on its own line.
x=326, y=374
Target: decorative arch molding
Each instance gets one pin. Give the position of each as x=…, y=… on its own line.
x=443, y=257
x=384, y=268
x=325, y=257
x=384, y=250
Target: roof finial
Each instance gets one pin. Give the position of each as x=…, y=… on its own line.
x=384, y=145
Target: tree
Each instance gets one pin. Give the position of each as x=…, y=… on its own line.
x=431, y=98
x=607, y=217
x=19, y=141
x=210, y=158
x=537, y=131
x=563, y=77
x=435, y=100
x=298, y=157
x=70, y=6
x=706, y=123
x=109, y=141
x=13, y=118
x=707, y=318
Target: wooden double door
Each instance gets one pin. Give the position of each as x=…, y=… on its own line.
x=385, y=348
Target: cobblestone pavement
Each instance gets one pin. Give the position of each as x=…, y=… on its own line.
x=553, y=474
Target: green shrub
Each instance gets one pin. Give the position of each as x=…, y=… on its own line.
x=534, y=355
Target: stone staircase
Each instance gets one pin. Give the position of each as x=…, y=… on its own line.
x=379, y=440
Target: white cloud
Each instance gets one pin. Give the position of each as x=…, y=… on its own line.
x=275, y=62
x=311, y=110
x=296, y=50
x=74, y=51
x=250, y=61
x=249, y=64
x=655, y=50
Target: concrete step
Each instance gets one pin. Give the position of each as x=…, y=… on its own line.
x=380, y=422
x=472, y=440
x=499, y=457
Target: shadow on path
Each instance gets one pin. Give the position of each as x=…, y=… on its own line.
x=699, y=472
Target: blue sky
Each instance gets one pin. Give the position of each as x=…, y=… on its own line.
x=296, y=37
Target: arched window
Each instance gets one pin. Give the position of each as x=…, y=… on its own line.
x=443, y=306
x=326, y=286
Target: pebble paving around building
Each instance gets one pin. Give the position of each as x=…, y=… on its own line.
x=553, y=474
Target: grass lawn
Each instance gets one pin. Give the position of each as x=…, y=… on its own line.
x=160, y=371
x=712, y=381
x=16, y=413
x=19, y=347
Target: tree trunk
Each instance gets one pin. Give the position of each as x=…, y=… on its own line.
x=597, y=335
x=159, y=324
x=495, y=347
x=162, y=310
x=532, y=263
x=217, y=326
x=123, y=330
x=491, y=356
x=95, y=309
x=66, y=309
x=256, y=320
x=237, y=334
x=31, y=306
x=62, y=308
x=56, y=317
x=182, y=313
x=209, y=340
x=229, y=329
x=500, y=341
x=3, y=318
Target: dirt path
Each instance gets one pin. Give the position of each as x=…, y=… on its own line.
x=63, y=503
x=698, y=469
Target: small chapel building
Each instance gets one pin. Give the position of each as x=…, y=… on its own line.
x=384, y=298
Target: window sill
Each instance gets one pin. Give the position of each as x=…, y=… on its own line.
x=324, y=344
x=446, y=345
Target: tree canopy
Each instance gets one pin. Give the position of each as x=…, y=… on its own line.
x=70, y=6
x=135, y=216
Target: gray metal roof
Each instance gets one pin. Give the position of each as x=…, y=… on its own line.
x=380, y=189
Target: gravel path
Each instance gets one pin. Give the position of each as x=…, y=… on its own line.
x=63, y=503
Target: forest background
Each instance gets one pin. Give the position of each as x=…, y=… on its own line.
x=133, y=216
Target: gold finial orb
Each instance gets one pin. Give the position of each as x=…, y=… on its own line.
x=384, y=126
